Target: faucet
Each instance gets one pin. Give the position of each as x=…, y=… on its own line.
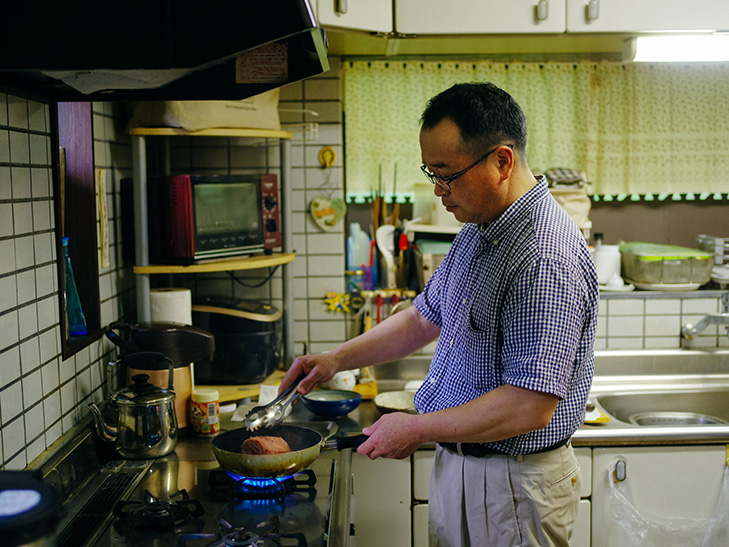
x=688, y=331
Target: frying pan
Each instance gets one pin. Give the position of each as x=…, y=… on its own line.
x=305, y=444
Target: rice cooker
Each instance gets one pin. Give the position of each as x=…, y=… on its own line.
x=248, y=340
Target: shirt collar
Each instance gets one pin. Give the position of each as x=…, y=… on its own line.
x=494, y=231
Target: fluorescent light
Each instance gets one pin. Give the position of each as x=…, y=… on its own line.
x=677, y=49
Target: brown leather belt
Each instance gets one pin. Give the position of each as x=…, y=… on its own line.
x=481, y=450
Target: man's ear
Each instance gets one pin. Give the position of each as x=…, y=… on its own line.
x=506, y=160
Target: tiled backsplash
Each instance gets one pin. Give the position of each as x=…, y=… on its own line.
x=654, y=320
x=43, y=396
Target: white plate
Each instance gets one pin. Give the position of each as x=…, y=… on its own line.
x=665, y=286
x=624, y=288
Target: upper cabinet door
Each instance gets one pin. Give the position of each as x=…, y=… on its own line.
x=369, y=15
x=479, y=16
x=646, y=15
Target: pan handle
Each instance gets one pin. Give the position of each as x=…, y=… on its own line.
x=342, y=443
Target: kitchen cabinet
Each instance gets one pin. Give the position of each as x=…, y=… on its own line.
x=668, y=481
x=479, y=16
x=646, y=15
x=143, y=269
x=369, y=15
x=381, y=503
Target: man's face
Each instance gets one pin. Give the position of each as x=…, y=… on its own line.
x=479, y=195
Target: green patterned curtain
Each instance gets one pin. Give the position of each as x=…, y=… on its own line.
x=632, y=129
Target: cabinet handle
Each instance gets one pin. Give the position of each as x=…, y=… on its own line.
x=620, y=471
x=592, y=10
x=341, y=6
x=541, y=10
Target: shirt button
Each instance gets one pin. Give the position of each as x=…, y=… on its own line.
x=496, y=242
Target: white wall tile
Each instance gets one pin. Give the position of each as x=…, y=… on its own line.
x=24, y=252
x=19, y=152
x=32, y=389
x=663, y=306
x=17, y=112
x=13, y=442
x=8, y=330
x=699, y=306
x=325, y=243
x=11, y=402
x=625, y=307
x=625, y=326
x=664, y=325
x=324, y=265
x=9, y=366
x=318, y=287
x=6, y=191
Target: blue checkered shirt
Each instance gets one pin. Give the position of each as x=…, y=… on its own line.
x=517, y=304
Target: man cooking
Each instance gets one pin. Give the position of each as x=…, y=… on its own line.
x=514, y=308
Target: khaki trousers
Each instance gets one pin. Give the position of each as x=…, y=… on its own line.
x=499, y=500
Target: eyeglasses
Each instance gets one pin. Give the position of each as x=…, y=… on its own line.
x=445, y=181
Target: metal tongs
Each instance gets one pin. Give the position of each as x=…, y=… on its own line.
x=273, y=413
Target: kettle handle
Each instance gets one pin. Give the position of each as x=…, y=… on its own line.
x=127, y=347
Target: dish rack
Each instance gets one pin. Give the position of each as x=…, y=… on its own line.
x=718, y=246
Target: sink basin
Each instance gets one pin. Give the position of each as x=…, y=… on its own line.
x=672, y=407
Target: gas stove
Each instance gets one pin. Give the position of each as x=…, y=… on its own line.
x=186, y=499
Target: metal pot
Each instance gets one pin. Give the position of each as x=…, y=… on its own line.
x=305, y=444
x=146, y=422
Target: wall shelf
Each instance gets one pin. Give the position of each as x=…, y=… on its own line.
x=220, y=265
x=215, y=132
x=143, y=269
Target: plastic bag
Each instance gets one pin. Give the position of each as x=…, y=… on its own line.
x=633, y=529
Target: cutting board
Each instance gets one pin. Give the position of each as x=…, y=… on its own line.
x=237, y=392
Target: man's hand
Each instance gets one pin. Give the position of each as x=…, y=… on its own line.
x=318, y=368
x=392, y=436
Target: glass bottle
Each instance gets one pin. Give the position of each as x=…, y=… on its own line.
x=75, y=319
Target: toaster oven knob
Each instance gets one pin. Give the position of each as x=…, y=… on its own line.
x=271, y=225
x=270, y=202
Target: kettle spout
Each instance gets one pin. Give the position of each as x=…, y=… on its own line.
x=106, y=432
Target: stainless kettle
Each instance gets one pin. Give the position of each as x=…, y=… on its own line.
x=146, y=425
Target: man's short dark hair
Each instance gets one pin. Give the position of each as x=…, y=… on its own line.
x=486, y=115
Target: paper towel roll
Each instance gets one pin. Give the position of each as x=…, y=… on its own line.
x=172, y=304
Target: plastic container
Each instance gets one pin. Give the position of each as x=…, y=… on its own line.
x=205, y=412
x=655, y=263
x=607, y=263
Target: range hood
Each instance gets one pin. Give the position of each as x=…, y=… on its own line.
x=158, y=50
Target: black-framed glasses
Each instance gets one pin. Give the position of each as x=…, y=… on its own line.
x=445, y=181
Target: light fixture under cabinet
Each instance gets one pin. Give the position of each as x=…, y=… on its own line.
x=682, y=48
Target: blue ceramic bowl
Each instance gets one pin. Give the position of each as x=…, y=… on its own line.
x=331, y=403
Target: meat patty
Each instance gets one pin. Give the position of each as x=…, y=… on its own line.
x=265, y=445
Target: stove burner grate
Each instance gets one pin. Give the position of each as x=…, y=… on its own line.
x=267, y=535
x=155, y=514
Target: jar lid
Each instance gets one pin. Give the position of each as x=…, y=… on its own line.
x=141, y=392
x=205, y=395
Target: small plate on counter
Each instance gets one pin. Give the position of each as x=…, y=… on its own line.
x=624, y=288
x=665, y=286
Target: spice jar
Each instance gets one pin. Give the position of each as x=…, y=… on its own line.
x=205, y=412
